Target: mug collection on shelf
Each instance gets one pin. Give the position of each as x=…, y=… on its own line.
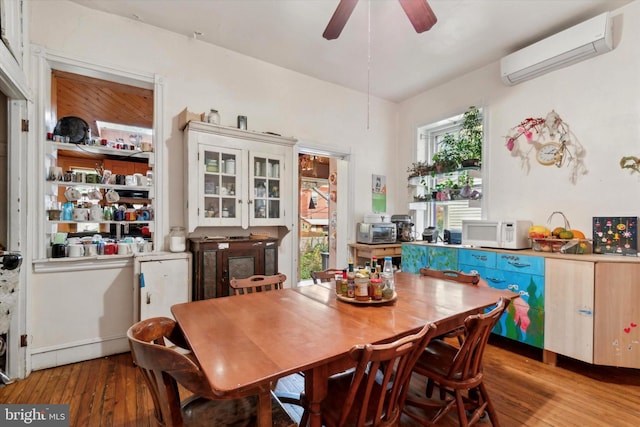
x=69, y=212
x=75, y=247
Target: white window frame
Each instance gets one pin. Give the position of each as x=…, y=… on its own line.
x=449, y=214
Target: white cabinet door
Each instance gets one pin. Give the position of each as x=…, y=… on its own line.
x=162, y=282
x=568, y=307
x=266, y=204
x=220, y=186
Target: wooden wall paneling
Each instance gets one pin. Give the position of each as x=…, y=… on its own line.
x=93, y=99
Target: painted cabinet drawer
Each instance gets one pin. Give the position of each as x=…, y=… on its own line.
x=520, y=263
x=439, y=258
x=477, y=258
x=524, y=319
x=414, y=257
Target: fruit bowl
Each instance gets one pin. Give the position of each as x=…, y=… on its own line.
x=565, y=246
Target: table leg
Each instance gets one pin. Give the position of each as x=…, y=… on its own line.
x=315, y=388
x=264, y=407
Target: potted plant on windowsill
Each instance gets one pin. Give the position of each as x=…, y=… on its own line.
x=445, y=159
x=465, y=149
x=469, y=141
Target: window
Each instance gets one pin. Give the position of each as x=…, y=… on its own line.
x=447, y=214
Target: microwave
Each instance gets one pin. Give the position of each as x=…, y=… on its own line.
x=376, y=233
x=496, y=234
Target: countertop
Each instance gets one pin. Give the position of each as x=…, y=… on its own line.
x=531, y=252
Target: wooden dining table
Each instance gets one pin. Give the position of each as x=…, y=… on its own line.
x=243, y=343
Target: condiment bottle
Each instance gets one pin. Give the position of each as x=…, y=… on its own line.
x=376, y=286
x=351, y=276
x=387, y=274
x=344, y=285
x=337, y=278
x=362, y=287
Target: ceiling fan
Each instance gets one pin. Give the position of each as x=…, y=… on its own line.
x=418, y=11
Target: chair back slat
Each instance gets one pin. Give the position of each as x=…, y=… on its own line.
x=467, y=363
x=257, y=283
x=381, y=379
x=456, y=276
x=324, y=276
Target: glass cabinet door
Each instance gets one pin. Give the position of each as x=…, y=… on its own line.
x=266, y=173
x=220, y=186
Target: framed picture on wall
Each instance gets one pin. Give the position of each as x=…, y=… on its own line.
x=378, y=193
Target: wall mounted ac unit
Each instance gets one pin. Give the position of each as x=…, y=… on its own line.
x=585, y=40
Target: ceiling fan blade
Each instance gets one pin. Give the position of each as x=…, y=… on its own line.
x=420, y=14
x=339, y=19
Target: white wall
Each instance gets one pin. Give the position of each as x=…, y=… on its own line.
x=599, y=99
x=201, y=76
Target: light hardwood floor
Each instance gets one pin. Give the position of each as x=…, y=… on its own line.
x=526, y=392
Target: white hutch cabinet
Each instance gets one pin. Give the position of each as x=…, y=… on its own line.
x=237, y=178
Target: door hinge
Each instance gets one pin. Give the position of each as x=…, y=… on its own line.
x=25, y=125
x=23, y=340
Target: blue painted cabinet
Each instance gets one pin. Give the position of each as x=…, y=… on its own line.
x=442, y=258
x=524, y=274
x=414, y=257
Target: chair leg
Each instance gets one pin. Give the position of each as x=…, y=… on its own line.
x=304, y=421
x=429, y=390
x=493, y=415
x=462, y=415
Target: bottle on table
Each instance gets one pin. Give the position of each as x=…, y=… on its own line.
x=345, y=286
x=351, y=276
x=387, y=274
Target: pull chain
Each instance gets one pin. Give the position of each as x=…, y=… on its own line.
x=368, y=64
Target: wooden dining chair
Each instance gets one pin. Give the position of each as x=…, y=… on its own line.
x=160, y=352
x=373, y=393
x=257, y=283
x=457, y=370
x=325, y=275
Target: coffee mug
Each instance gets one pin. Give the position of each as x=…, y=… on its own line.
x=72, y=194
x=81, y=214
x=110, y=248
x=59, y=250
x=90, y=249
x=124, y=248
x=106, y=176
x=118, y=215
x=76, y=250
x=130, y=180
x=55, y=173
x=121, y=179
x=112, y=196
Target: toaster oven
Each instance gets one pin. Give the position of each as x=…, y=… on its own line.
x=377, y=233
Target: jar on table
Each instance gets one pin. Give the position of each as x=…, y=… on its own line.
x=177, y=239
